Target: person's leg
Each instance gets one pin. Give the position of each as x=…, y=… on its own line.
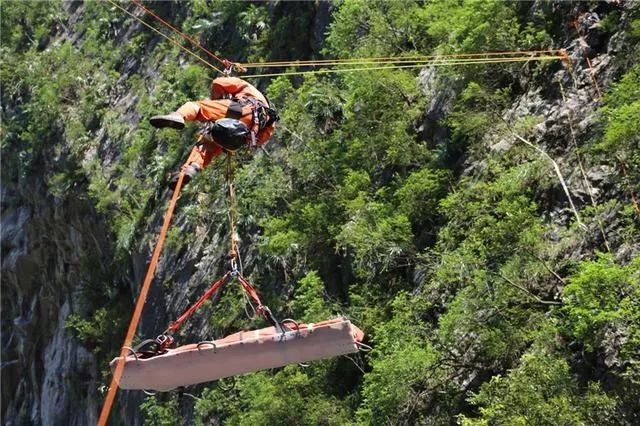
x=212, y=110
x=203, y=152
x=175, y=120
x=207, y=110
x=201, y=155
x=189, y=111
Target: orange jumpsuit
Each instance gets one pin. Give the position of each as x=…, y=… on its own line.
x=224, y=93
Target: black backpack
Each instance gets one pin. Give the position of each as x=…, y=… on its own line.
x=229, y=133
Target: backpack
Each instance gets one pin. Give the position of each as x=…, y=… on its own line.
x=229, y=133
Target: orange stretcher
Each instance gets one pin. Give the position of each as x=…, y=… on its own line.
x=240, y=353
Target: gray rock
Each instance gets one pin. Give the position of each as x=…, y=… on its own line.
x=441, y=92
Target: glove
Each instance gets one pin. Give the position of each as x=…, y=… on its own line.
x=190, y=172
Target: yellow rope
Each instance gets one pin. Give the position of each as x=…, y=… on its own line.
x=417, y=61
x=394, y=62
x=409, y=58
x=229, y=177
x=421, y=65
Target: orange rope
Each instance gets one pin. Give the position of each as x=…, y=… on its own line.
x=591, y=72
x=142, y=297
x=177, y=31
x=166, y=37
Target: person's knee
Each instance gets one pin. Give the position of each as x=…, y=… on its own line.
x=189, y=111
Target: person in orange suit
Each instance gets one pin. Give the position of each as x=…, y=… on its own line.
x=237, y=114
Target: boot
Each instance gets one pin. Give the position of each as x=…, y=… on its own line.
x=191, y=172
x=173, y=120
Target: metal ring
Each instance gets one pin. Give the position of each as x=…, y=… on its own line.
x=208, y=342
x=304, y=364
x=292, y=321
x=150, y=392
x=363, y=348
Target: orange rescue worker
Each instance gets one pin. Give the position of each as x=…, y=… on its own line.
x=236, y=115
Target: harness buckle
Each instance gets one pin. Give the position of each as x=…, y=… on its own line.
x=228, y=67
x=164, y=340
x=233, y=263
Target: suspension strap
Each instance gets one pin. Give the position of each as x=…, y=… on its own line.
x=250, y=290
x=142, y=297
x=261, y=309
x=233, y=272
x=175, y=325
x=165, y=339
x=217, y=285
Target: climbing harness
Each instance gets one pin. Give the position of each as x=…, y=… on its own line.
x=231, y=133
x=262, y=117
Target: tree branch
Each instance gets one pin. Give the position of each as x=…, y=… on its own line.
x=519, y=287
x=555, y=167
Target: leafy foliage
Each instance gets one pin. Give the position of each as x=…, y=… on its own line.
x=541, y=391
x=622, y=107
x=602, y=301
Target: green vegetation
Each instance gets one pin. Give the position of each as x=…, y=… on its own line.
x=481, y=302
x=542, y=390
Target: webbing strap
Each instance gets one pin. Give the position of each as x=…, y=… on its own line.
x=175, y=325
x=235, y=110
x=142, y=297
x=249, y=289
x=246, y=286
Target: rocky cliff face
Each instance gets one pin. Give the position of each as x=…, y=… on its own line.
x=51, y=253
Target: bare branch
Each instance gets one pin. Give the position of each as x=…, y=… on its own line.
x=519, y=287
x=555, y=167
